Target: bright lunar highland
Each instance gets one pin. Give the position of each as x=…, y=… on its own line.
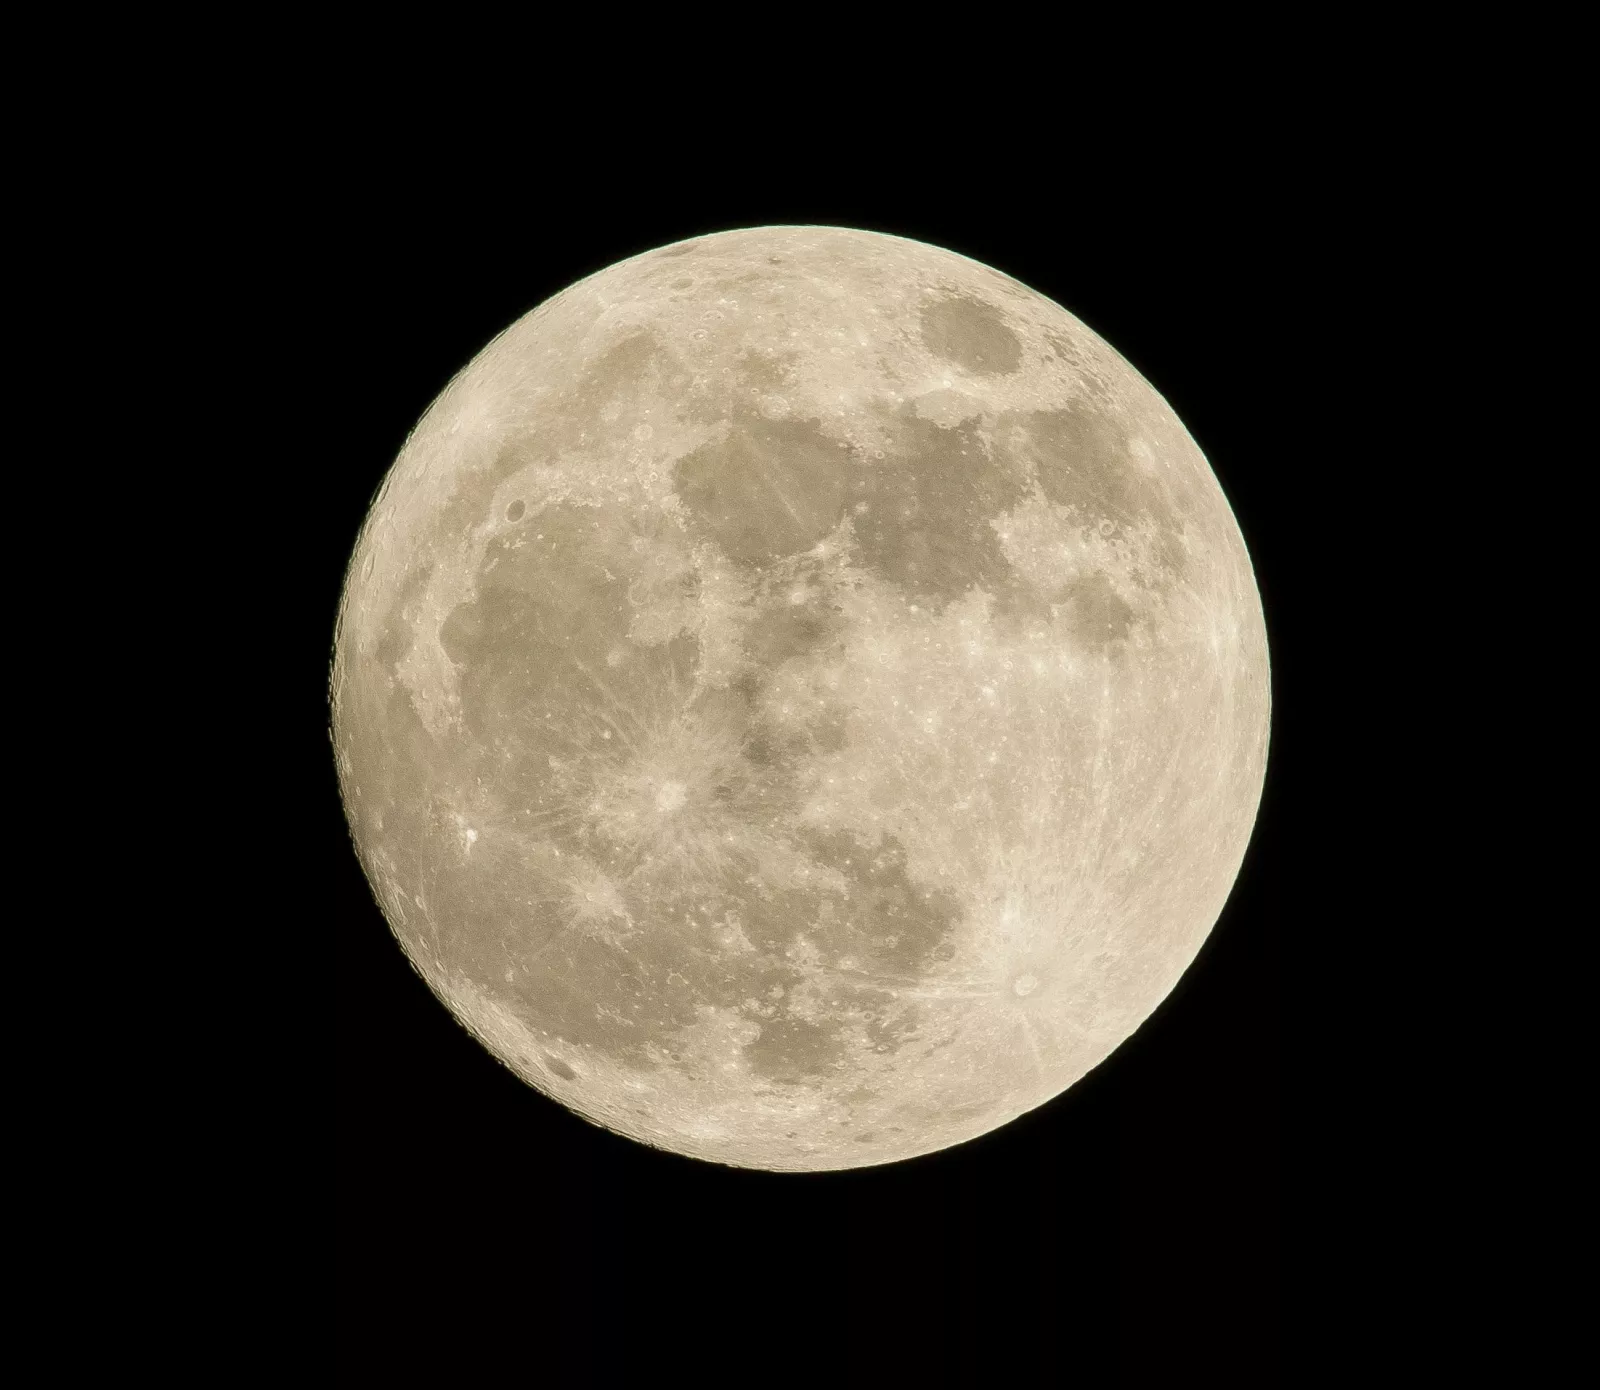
x=800, y=698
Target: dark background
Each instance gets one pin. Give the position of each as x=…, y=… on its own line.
x=1137, y=1230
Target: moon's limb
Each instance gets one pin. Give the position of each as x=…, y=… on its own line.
x=800, y=698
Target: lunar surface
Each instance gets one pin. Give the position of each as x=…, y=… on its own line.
x=800, y=698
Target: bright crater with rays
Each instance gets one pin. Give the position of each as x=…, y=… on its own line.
x=800, y=698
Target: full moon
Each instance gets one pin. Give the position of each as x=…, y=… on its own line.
x=800, y=698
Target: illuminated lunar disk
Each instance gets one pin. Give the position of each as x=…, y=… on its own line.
x=800, y=698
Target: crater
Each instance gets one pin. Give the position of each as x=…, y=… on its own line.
x=972, y=334
x=560, y=1068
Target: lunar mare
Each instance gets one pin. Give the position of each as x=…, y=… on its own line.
x=800, y=698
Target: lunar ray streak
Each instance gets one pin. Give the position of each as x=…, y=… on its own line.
x=611, y=697
x=1033, y=1047
x=925, y=992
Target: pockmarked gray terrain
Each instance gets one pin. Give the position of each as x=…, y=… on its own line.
x=800, y=698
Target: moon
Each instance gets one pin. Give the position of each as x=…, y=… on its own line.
x=800, y=698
